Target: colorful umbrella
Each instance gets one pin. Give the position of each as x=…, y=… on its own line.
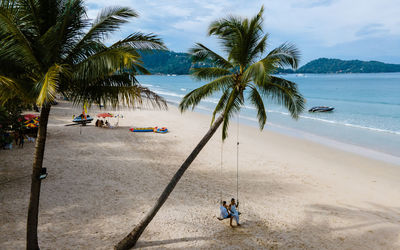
x=34, y=120
x=104, y=115
x=30, y=116
x=31, y=125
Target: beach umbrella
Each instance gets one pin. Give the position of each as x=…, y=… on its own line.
x=105, y=115
x=31, y=125
x=30, y=116
x=34, y=120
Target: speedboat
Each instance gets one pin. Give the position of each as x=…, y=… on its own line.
x=321, y=109
x=81, y=119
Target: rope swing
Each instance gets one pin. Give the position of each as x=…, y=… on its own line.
x=237, y=162
x=225, y=216
x=222, y=154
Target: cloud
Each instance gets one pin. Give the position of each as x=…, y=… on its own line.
x=312, y=3
x=372, y=29
x=308, y=23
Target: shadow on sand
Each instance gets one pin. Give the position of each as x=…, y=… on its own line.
x=68, y=218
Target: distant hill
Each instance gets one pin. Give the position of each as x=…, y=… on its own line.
x=169, y=62
x=325, y=65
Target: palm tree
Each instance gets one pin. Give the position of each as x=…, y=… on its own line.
x=245, y=74
x=50, y=47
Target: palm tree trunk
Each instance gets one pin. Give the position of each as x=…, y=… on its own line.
x=33, y=211
x=130, y=240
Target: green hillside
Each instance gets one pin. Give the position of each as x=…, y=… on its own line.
x=169, y=62
x=325, y=65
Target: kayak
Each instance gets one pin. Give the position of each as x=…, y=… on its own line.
x=149, y=129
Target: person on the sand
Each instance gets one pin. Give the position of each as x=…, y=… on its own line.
x=21, y=140
x=235, y=214
x=224, y=211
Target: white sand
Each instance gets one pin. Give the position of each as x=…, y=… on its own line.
x=294, y=193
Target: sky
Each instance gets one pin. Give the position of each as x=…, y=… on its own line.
x=345, y=29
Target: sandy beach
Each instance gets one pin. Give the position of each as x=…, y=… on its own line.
x=293, y=193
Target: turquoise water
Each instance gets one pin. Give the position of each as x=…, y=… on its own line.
x=367, y=107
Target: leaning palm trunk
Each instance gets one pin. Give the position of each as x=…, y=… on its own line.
x=33, y=211
x=131, y=239
x=245, y=68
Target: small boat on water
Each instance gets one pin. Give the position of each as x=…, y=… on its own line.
x=321, y=109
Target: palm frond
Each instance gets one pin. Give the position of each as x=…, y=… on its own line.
x=201, y=53
x=232, y=107
x=259, y=70
x=47, y=86
x=108, y=21
x=115, y=90
x=59, y=40
x=256, y=21
x=8, y=89
x=224, y=27
x=141, y=41
x=86, y=49
x=195, y=96
x=106, y=63
x=29, y=8
x=22, y=46
x=259, y=48
x=283, y=92
x=209, y=73
x=258, y=103
x=286, y=54
x=221, y=104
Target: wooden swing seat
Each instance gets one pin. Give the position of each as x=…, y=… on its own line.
x=220, y=218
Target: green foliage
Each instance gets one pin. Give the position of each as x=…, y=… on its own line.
x=325, y=65
x=10, y=114
x=168, y=62
x=244, y=68
x=10, y=119
x=51, y=47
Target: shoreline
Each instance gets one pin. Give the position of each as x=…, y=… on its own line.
x=359, y=125
x=352, y=148
x=322, y=140
x=294, y=193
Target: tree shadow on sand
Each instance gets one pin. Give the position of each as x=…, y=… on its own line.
x=76, y=213
x=162, y=243
x=324, y=227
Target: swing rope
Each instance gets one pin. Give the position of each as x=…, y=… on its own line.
x=222, y=154
x=237, y=167
x=237, y=163
x=237, y=160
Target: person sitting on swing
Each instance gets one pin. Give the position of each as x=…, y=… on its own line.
x=224, y=212
x=234, y=213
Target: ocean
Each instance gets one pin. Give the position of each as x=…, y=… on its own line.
x=366, y=119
